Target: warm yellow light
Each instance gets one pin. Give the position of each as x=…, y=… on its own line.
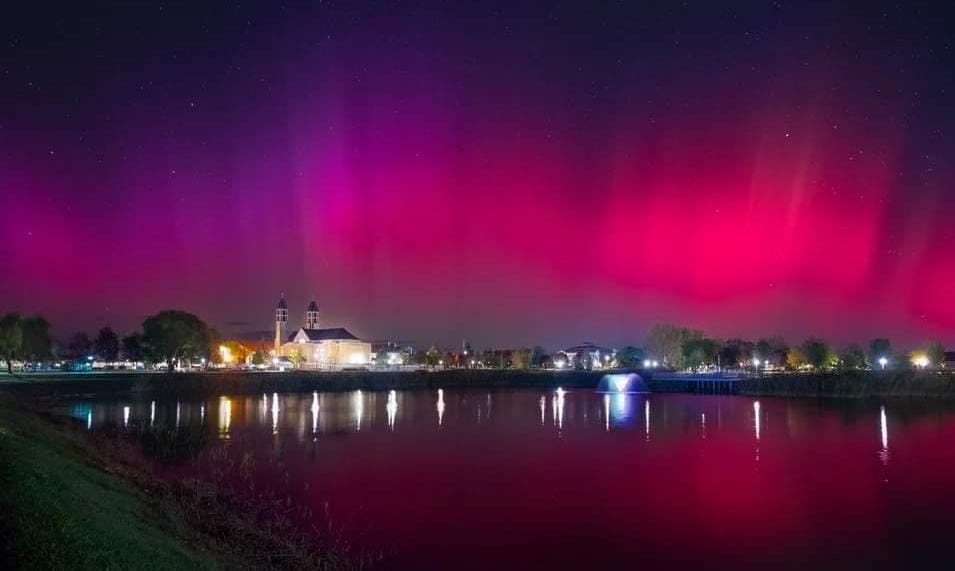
x=225, y=353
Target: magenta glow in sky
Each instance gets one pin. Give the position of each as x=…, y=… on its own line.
x=498, y=173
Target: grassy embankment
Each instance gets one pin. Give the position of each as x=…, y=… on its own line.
x=69, y=499
x=854, y=384
x=58, y=511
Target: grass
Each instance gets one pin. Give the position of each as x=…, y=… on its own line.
x=59, y=511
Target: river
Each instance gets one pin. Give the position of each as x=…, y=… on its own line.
x=469, y=479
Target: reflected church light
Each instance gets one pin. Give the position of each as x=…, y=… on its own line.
x=275, y=413
x=607, y=412
x=315, y=409
x=225, y=417
x=440, y=406
x=884, y=428
x=125, y=416
x=756, y=418
x=559, y=408
x=265, y=406
x=392, y=409
x=359, y=409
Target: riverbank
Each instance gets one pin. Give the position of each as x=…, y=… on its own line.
x=59, y=511
x=853, y=384
x=74, y=500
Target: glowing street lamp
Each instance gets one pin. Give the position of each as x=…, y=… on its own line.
x=883, y=362
x=921, y=362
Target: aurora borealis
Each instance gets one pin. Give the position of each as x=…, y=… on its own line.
x=505, y=172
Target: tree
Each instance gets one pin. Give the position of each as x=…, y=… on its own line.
x=817, y=353
x=665, y=342
x=432, y=356
x=773, y=350
x=936, y=354
x=852, y=357
x=133, y=349
x=11, y=338
x=584, y=361
x=630, y=357
x=879, y=349
x=736, y=353
x=79, y=346
x=699, y=351
x=106, y=346
x=36, y=339
x=258, y=358
x=795, y=359
x=171, y=334
x=538, y=357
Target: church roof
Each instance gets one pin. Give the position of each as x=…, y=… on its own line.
x=331, y=333
x=313, y=306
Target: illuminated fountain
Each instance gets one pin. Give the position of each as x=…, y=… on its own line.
x=627, y=383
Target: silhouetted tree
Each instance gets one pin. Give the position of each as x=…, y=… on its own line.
x=79, y=346
x=852, y=357
x=106, y=346
x=665, y=342
x=133, y=349
x=878, y=349
x=171, y=334
x=699, y=351
x=630, y=357
x=11, y=338
x=936, y=354
x=817, y=353
x=538, y=356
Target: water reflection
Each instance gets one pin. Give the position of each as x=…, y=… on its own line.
x=125, y=416
x=646, y=417
x=225, y=417
x=359, y=409
x=884, y=429
x=558, y=406
x=275, y=413
x=392, y=409
x=315, y=408
x=543, y=407
x=152, y=413
x=440, y=406
x=756, y=418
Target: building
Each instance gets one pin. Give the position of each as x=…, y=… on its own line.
x=586, y=356
x=313, y=347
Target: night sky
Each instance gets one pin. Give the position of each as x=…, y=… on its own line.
x=504, y=172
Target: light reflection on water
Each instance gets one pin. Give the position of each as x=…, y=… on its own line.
x=408, y=460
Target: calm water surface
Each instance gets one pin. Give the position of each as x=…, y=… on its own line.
x=580, y=480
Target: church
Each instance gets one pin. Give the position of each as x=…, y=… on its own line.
x=315, y=348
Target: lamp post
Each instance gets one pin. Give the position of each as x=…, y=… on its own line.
x=883, y=361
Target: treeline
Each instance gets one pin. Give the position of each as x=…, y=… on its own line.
x=685, y=348
x=168, y=337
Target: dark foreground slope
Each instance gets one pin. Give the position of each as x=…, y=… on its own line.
x=59, y=512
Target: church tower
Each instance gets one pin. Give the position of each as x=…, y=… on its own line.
x=311, y=316
x=281, y=322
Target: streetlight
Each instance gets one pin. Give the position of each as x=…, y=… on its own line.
x=883, y=361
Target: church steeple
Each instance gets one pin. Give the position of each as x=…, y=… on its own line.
x=281, y=322
x=311, y=316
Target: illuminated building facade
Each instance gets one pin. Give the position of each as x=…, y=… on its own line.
x=317, y=348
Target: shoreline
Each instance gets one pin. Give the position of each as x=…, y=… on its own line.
x=81, y=501
x=835, y=384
